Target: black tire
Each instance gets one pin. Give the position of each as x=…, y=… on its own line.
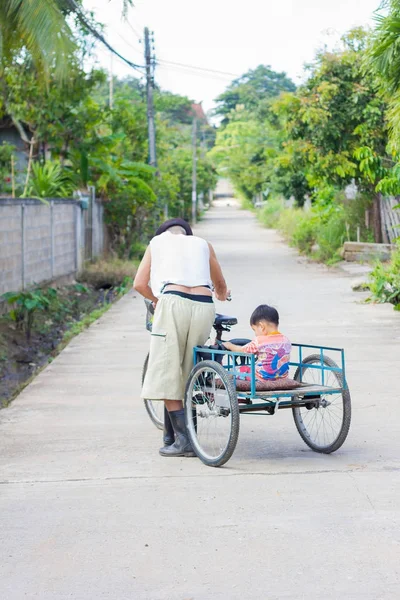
x=202, y=411
x=337, y=417
x=154, y=410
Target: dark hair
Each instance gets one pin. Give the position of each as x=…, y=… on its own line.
x=265, y=313
x=174, y=223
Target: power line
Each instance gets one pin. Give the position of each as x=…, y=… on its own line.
x=168, y=62
x=85, y=22
x=134, y=30
x=127, y=43
x=190, y=71
x=122, y=61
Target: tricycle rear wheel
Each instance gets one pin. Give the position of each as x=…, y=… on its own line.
x=323, y=424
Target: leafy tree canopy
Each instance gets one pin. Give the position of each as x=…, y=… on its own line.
x=252, y=89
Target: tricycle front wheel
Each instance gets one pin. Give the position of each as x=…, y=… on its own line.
x=324, y=422
x=212, y=413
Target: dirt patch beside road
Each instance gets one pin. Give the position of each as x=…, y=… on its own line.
x=24, y=351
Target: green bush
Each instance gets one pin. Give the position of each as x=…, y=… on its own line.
x=331, y=236
x=137, y=251
x=269, y=214
x=26, y=305
x=299, y=228
x=355, y=216
x=50, y=180
x=385, y=280
x=324, y=225
x=305, y=234
x=288, y=222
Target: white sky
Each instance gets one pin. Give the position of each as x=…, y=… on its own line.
x=227, y=36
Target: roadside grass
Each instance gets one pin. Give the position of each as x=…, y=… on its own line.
x=269, y=214
x=80, y=326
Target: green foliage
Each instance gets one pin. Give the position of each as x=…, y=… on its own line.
x=334, y=126
x=39, y=28
x=93, y=145
x=383, y=57
x=6, y=153
x=88, y=320
x=252, y=90
x=269, y=214
x=27, y=304
x=305, y=233
x=125, y=286
x=50, y=180
x=319, y=232
x=385, y=280
x=313, y=142
x=331, y=235
x=242, y=150
x=288, y=222
x=136, y=251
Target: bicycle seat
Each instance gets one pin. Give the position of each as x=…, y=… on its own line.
x=224, y=320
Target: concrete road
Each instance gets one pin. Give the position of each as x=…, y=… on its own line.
x=90, y=511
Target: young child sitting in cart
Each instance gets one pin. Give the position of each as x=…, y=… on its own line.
x=272, y=348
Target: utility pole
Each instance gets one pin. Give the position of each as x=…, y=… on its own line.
x=194, y=172
x=150, y=62
x=150, y=102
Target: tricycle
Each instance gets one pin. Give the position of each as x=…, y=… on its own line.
x=317, y=393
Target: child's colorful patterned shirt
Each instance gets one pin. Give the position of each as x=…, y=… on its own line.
x=273, y=355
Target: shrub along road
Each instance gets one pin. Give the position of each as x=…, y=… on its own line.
x=90, y=510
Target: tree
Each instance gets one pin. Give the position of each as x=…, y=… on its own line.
x=334, y=123
x=41, y=29
x=384, y=59
x=252, y=89
x=242, y=150
x=38, y=27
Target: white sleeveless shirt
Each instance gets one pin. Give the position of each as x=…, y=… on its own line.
x=179, y=259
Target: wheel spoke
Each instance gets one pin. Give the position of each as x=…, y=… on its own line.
x=210, y=391
x=322, y=425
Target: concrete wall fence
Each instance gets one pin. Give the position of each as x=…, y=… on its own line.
x=42, y=242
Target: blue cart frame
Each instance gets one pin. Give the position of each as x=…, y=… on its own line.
x=307, y=397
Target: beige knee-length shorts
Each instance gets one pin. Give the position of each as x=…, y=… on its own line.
x=179, y=324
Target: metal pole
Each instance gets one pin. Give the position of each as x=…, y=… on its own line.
x=150, y=62
x=194, y=172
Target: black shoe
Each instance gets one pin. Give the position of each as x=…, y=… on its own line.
x=169, y=435
x=182, y=445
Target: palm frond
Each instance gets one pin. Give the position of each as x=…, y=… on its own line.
x=40, y=27
x=384, y=51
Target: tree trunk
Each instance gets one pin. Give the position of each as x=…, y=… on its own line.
x=28, y=173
